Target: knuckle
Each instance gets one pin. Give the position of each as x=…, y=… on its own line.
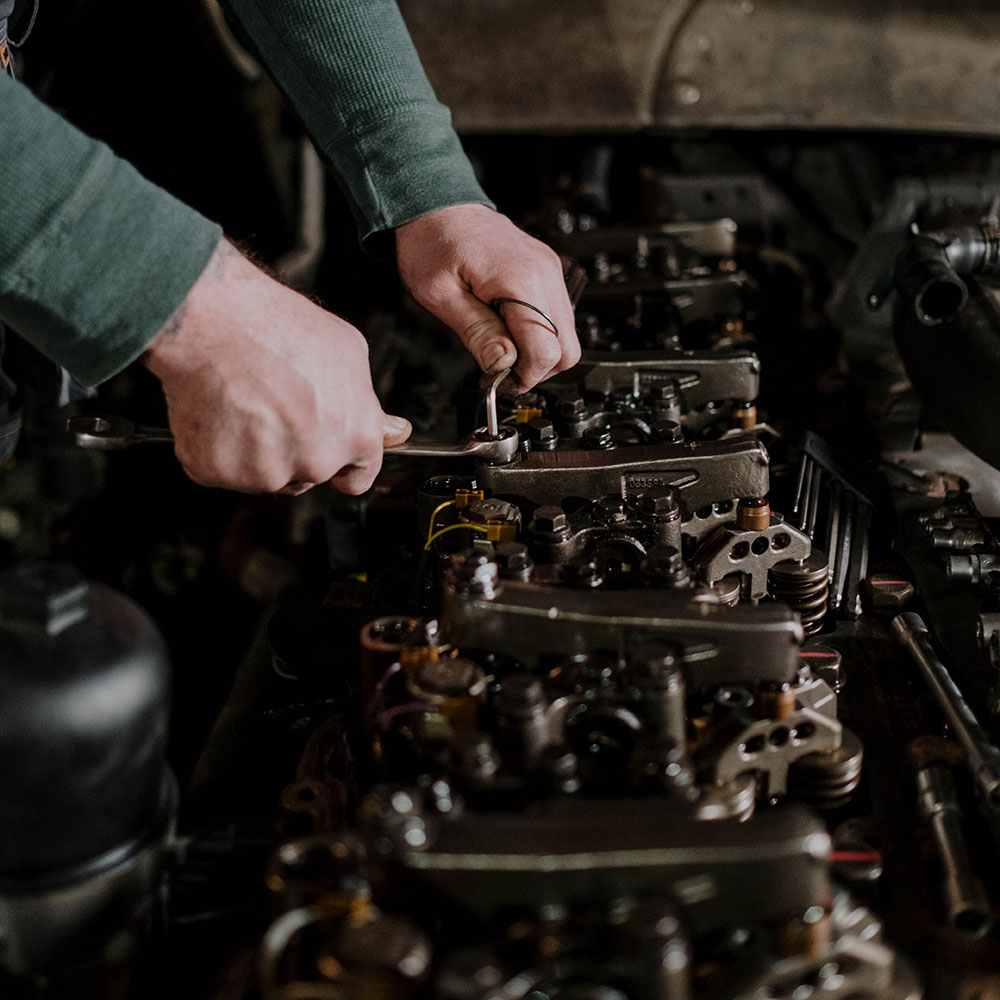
x=571, y=354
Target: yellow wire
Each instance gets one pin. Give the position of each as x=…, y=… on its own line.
x=437, y=510
x=453, y=527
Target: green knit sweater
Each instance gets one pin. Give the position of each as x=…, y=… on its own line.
x=94, y=259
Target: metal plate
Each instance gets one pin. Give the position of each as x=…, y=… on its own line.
x=622, y=65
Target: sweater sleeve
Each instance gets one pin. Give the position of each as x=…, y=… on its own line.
x=351, y=72
x=94, y=259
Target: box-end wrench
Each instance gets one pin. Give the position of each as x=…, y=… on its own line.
x=493, y=444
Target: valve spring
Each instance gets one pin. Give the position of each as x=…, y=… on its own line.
x=827, y=779
x=804, y=586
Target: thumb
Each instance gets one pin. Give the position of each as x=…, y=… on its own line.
x=482, y=331
x=395, y=430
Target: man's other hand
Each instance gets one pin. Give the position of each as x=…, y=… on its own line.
x=267, y=392
x=457, y=260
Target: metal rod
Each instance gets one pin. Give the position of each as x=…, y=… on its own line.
x=982, y=756
x=492, y=419
x=965, y=901
x=842, y=561
x=857, y=568
x=832, y=538
x=800, y=484
x=815, y=488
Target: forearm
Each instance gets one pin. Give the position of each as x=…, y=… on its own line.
x=94, y=259
x=352, y=73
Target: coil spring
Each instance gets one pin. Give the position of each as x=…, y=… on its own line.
x=826, y=780
x=804, y=586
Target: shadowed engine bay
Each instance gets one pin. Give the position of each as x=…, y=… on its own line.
x=690, y=690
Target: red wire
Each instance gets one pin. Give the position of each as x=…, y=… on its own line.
x=859, y=856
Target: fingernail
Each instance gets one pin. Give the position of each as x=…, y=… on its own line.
x=495, y=357
x=396, y=425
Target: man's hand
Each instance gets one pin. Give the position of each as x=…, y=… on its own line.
x=457, y=260
x=266, y=391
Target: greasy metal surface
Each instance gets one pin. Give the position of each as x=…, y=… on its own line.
x=621, y=65
x=702, y=472
x=719, y=645
x=728, y=753
x=730, y=550
x=704, y=376
x=715, y=238
x=719, y=872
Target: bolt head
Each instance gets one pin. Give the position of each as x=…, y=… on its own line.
x=513, y=559
x=549, y=519
x=571, y=406
x=539, y=429
x=598, y=438
x=659, y=503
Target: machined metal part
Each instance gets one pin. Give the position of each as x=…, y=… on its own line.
x=492, y=421
x=689, y=69
x=825, y=779
x=982, y=756
x=703, y=376
x=713, y=238
x=803, y=586
x=718, y=644
x=751, y=553
x=492, y=449
x=646, y=299
x=824, y=497
x=566, y=850
x=854, y=967
x=767, y=747
x=703, y=472
x=966, y=904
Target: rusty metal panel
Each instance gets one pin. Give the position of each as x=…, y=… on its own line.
x=623, y=65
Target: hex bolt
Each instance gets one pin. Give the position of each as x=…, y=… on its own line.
x=660, y=505
x=624, y=397
x=581, y=571
x=559, y=769
x=661, y=510
x=611, y=509
x=664, y=566
x=513, y=561
x=520, y=706
x=666, y=401
x=668, y=431
x=541, y=432
x=656, y=673
x=571, y=406
x=519, y=695
x=598, y=438
x=550, y=524
x=474, y=575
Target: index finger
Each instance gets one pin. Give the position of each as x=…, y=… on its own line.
x=544, y=331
